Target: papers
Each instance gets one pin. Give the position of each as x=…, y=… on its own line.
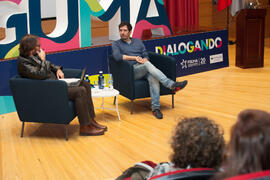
x=72, y=81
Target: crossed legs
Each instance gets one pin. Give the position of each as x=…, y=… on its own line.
x=154, y=76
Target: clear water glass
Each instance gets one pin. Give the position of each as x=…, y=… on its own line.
x=110, y=81
x=95, y=85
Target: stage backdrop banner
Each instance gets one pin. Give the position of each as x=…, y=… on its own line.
x=194, y=52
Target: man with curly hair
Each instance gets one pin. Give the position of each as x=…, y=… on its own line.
x=197, y=143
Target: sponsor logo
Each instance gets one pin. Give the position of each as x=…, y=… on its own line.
x=216, y=58
x=193, y=62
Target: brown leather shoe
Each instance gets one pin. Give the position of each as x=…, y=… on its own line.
x=90, y=130
x=95, y=123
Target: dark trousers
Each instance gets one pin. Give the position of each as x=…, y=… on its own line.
x=82, y=97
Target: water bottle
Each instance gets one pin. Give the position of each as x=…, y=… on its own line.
x=101, y=80
x=86, y=78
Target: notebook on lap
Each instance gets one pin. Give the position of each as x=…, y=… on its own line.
x=74, y=81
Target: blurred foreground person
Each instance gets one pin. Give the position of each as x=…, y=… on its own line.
x=249, y=147
x=197, y=143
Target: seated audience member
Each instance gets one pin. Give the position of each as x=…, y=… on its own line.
x=249, y=147
x=197, y=143
x=133, y=51
x=32, y=64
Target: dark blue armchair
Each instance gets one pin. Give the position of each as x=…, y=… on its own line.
x=44, y=101
x=123, y=78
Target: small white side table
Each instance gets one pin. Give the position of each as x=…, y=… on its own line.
x=106, y=92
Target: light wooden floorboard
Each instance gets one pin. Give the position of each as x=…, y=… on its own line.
x=43, y=153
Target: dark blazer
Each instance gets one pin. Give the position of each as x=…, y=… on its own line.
x=33, y=67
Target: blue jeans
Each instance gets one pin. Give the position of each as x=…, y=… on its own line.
x=154, y=76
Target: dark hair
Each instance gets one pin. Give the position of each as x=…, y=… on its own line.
x=125, y=24
x=248, y=149
x=197, y=142
x=27, y=44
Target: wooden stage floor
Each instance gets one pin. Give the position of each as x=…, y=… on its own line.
x=43, y=153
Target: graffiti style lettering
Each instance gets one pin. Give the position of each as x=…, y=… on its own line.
x=190, y=47
x=73, y=21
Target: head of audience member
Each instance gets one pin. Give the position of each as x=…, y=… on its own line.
x=29, y=45
x=197, y=142
x=248, y=149
x=125, y=30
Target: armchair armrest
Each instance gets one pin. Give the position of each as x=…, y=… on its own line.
x=164, y=63
x=123, y=78
x=72, y=73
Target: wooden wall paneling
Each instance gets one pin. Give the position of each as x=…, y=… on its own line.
x=205, y=13
x=2, y=33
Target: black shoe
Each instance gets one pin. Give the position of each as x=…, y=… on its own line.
x=158, y=114
x=179, y=85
